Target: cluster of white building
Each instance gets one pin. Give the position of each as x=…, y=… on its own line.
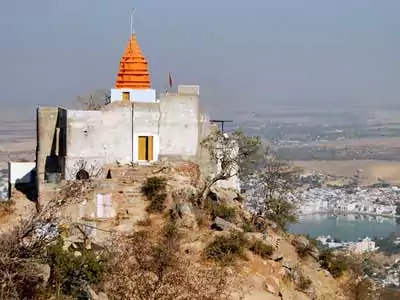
x=359, y=247
x=3, y=186
x=377, y=201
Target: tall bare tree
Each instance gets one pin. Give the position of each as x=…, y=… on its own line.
x=94, y=101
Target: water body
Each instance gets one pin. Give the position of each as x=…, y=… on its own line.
x=346, y=227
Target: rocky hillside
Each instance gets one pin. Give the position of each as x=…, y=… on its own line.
x=159, y=243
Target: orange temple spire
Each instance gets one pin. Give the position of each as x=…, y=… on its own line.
x=133, y=68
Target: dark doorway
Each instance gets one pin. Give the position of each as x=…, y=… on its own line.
x=82, y=175
x=109, y=175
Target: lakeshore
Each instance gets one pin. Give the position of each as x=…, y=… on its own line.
x=345, y=227
x=347, y=212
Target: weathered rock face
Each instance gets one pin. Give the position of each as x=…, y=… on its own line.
x=221, y=195
x=272, y=285
x=264, y=238
x=221, y=224
x=302, y=242
x=186, y=216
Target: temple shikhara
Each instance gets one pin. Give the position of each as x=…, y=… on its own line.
x=137, y=126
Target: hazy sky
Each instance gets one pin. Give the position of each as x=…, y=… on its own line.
x=245, y=54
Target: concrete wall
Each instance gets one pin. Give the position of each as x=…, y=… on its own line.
x=21, y=172
x=179, y=132
x=91, y=139
x=146, y=121
x=98, y=138
x=46, y=122
x=145, y=95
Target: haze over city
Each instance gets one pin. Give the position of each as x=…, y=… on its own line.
x=245, y=56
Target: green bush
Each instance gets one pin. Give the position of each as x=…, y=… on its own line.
x=171, y=230
x=262, y=249
x=154, y=186
x=69, y=272
x=155, y=190
x=335, y=265
x=247, y=227
x=225, y=249
x=303, y=251
x=223, y=211
x=338, y=267
x=157, y=203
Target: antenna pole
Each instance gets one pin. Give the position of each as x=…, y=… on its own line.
x=133, y=21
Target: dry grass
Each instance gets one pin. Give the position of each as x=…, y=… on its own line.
x=148, y=265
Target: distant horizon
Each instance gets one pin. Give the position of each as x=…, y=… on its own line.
x=243, y=57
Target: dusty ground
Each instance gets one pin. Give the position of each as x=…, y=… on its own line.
x=372, y=169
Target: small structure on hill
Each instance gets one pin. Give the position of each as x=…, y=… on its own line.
x=136, y=126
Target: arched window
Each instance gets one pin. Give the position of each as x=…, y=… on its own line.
x=82, y=175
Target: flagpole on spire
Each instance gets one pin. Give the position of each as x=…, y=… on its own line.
x=133, y=21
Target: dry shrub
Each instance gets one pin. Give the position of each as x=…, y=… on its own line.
x=225, y=249
x=155, y=190
x=7, y=207
x=261, y=249
x=223, y=211
x=144, y=222
x=359, y=288
x=248, y=226
x=304, y=283
x=303, y=251
x=147, y=267
x=23, y=248
x=72, y=273
x=337, y=265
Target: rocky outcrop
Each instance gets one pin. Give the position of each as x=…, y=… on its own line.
x=221, y=224
x=186, y=216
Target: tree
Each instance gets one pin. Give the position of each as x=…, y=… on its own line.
x=247, y=157
x=277, y=180
x=235, y=154
x=94, y=101
x=23, y=248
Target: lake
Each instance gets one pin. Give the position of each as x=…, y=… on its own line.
x=345, y=227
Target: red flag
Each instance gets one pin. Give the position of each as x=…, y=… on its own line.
x=170, y=79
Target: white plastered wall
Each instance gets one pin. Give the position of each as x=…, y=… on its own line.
x=98, y=138
x=142, y=95
x=179, y=125
x=20, y=172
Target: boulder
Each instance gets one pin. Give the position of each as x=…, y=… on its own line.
x=272, y=285
x=314, y=253
x=186, y=215
x=221, y=224
x=300, y=241
x=276, y=256
x=266, y=239
x=222, y=195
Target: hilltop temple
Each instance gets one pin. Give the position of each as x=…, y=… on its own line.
x=136, y=126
